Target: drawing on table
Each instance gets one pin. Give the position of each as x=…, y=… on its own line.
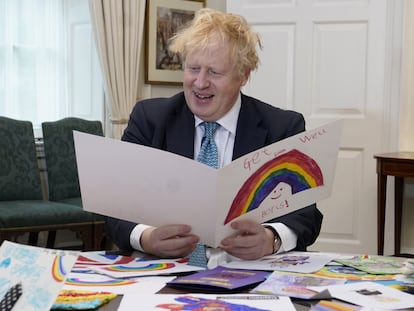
x=41, y=272
x=195, y=303
x=351, y=274
x=149, y=267
x=79, y=281
x=289, y=260
x=58, y=269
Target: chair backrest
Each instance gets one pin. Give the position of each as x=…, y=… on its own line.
x=62, y=171
x=19, y=170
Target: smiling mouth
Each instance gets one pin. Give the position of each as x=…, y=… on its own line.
x=276, y=197
x=203, y=96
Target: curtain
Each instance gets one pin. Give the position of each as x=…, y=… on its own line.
x=118, y=29
x=32, y=64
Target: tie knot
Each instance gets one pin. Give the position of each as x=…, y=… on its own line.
x=208, y=150
x=210, y=128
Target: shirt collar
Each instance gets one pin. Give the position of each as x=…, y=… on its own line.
x=229, y=120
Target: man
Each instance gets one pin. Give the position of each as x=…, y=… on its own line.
x=219, y=53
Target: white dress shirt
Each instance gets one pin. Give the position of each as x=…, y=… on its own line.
x=224, y=138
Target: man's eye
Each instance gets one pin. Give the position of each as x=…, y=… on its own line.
x=194, y=69
x=213, y=72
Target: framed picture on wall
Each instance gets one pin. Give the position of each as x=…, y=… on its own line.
x=163, y=18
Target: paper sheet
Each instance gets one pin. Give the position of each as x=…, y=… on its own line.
x=155, y=187
x=118, y=274
x=145, y=268
x=294, y=285
x=371, y=295
x=41, y=272
x=302, y=262
x=97, y=282
x=205, y=302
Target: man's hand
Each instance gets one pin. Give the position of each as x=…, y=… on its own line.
x=170, y=241
x=251, y=241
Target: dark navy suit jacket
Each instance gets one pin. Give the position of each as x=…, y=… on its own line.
x=168, y=124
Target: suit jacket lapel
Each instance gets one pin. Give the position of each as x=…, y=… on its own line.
x=180, y=132
x=249, y=134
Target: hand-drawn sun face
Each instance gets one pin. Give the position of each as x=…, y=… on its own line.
x=280, y=192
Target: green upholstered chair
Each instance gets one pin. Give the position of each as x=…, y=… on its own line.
x=22, y=206
x=62, y=171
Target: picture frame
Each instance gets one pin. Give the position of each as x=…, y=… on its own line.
x=162, y=20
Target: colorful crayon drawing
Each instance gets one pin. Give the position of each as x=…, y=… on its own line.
x=41, y=272
x=351, y=274
x=375, y=264
x=148, y=267
x=199, y=304
x=145, y=268
x=88, y=260
x=76, y=281
x=288, y=260
x=325, y=305
x=58, y=269
x=276, y=180
x=294, y=284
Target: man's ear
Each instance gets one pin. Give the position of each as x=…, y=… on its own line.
x=245, y=77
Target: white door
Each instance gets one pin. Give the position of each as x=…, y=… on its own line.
x=328, y=60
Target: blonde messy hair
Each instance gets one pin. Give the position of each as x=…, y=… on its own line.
x=209, y=25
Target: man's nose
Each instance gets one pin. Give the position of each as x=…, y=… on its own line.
x=202, y=79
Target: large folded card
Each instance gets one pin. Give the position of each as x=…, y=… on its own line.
x=156, y=187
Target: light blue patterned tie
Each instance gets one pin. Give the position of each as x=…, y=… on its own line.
x=208, y=155
x=208, y=151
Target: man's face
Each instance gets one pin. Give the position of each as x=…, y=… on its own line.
x=211, y=82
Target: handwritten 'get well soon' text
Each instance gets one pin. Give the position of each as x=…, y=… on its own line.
x=263, y=155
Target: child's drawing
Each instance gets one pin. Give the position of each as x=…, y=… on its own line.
x=195, y=303
x=276, y=181
x=41, y=272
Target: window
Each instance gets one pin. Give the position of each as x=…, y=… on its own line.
x=49, y=68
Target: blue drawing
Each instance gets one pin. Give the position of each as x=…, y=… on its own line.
x=5, y=263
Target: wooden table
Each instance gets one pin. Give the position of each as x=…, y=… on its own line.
x=399, y=165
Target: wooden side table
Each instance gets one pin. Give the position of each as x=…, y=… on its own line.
x=399, y=165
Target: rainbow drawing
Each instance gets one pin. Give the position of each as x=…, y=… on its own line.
x=109, y=282
x=149, y=267
x=351, y=274
x=83, y=261
x=293, y=167
x=58, y=270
